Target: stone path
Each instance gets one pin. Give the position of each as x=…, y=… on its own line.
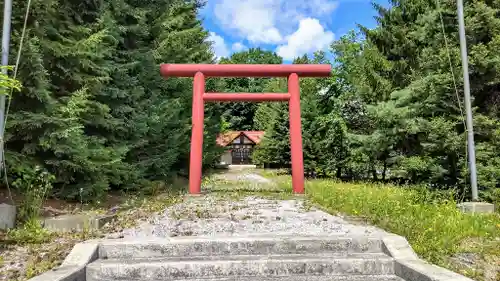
x=223, y=237
x=251, y=215
x=240, y=177
x=239, y=180
x=212, y=214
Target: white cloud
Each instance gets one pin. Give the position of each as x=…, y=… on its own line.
x=324, y=7
x=238, y=46
x=218, y=45
x=309, y=37
x=267, y=21
x=311, y=8
x=252, y=19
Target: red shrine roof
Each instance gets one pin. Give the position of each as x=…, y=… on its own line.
x=228, y=137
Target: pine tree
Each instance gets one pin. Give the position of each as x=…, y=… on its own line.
x=240, y=115
x=94, y=110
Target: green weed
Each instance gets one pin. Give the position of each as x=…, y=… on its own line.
x=430, y=221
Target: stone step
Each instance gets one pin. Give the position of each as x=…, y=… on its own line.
x=237, y=245
x=287, y=278
x=175, y=268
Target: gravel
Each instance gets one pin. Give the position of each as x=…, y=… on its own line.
x=215, y=215
x=251, y=215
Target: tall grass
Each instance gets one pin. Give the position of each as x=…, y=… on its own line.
x=431, y=222
x=35, y=184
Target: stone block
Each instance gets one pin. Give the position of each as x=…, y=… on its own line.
x=290, y=278
x=235, y=267
x=476, y=207
x=101, y=220
x=73, y=267
x=7, y=216
x=67, y=223
x=233, y=245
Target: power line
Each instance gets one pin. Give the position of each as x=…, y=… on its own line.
x=447, y=48
x=18, y=59
x=450, y=63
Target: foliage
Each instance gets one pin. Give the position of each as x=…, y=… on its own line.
x=30, y=233
x=93, y=110
x=7, y=83
x=35, y=185
x=240, y=115
x=433, y=225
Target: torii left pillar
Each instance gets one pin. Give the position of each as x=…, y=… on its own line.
x=201, y=71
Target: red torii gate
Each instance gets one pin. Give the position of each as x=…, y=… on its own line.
x=200, y=71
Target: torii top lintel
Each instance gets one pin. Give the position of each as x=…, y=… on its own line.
x=246, y=70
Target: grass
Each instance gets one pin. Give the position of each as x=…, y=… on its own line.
x=431, y=222
x=236, y=189
x=40, y=250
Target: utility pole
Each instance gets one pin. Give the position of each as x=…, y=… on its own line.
x=7, y=17
x=467, y=99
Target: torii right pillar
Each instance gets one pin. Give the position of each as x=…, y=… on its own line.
x=296, y=152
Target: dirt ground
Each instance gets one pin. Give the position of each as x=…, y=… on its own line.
x=55, y=207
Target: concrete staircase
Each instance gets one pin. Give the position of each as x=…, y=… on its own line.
x=249, y=258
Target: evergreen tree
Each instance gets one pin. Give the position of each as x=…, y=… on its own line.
x=94, y=110
x=240, y=115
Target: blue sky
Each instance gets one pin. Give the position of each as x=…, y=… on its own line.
x=289, y=27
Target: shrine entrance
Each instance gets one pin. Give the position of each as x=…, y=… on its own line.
x=202, y=71
x=241, y=155
x=241, y=149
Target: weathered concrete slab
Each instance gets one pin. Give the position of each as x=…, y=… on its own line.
x=476, y=207
x=73, y=267
x=294, y=278
x=7, y=216
x=67, y=223
x=233, y=245
x=100, y=221
x=410, y=267
x=236, y=266
x=396, y=261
